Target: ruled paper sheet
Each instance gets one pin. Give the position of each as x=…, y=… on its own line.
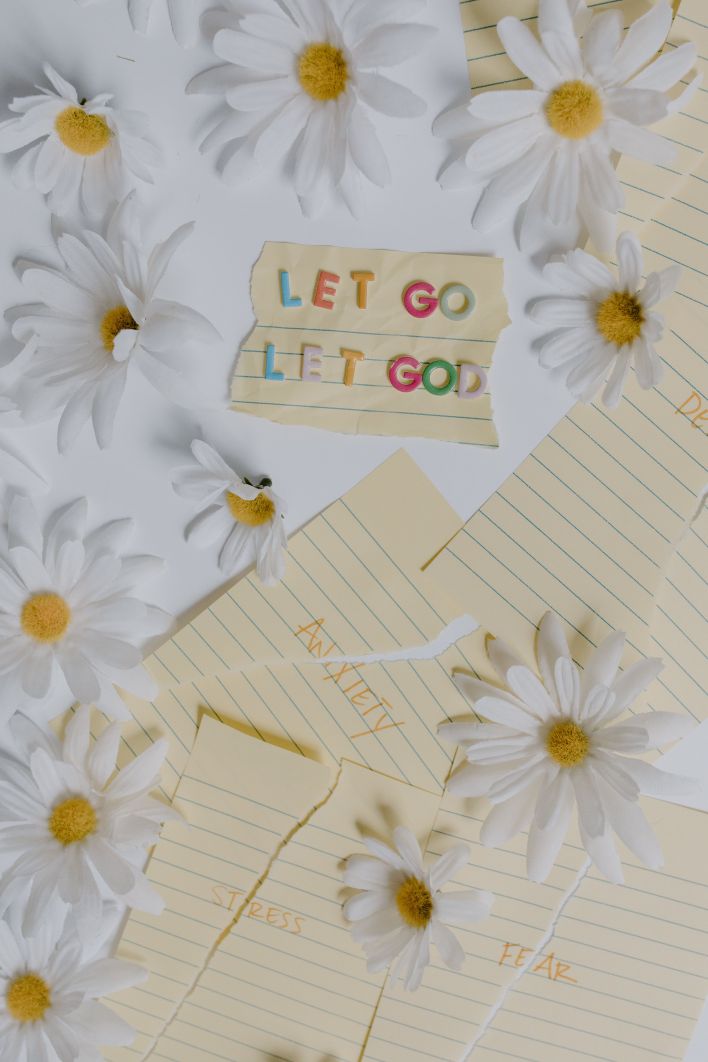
x=587, y=524
x=383, y=715
x=288, y=982
x=489, y=67
x=352, y=579
x=241, y=799
x=372, y=320
x=624, y=975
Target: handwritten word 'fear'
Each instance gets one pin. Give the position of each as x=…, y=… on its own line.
x=547, y=965
x=377, y=711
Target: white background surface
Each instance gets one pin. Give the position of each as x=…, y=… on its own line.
x=95, y=49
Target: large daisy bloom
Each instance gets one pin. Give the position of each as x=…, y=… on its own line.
x=400, y=910
x=77, y=832
x=554, y=743
x=49, y=1009
x=83, y=152
x=183, y=15
x=602, y=324
x=97, y=315
x=69, y=621
x=551, y=147
x=302, y=80
x=234, y=512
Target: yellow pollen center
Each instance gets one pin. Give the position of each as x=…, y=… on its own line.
x=323, y=71
x=45, y=617
x=82, y=133
x=114, y=321
x=414, y=903
x=574, y=110
x=567, y=744
x=254, y=513
x=620, y=318
x=73, y=820
x=28, y=998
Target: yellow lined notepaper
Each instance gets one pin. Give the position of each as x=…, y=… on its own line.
x=352, y=580
x=383, y=715
x=287, y=979
x=331, y=320
x=623, y=976
x=241, y=799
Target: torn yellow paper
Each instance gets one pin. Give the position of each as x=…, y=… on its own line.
x=273, y=993
x=586, y=525
x=241, y=799
x=352, y=582
x=383, y=715
x=645, y=186
x=623, y=975
x=377, y=342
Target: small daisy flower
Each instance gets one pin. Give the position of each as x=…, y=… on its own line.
x=83, y=151
x=98, y=315
x=603, y=324
x=400, y=909
x=184, y=17
x=302, y=79
x=69, y=623
x=77, y=832
x=49, y=1007
x=237, y=513
x=550, y=148
x=555, y=743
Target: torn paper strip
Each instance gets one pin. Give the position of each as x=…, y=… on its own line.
x=377, y=342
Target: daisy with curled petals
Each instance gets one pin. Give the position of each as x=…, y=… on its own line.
x=76, y=831
x=83, y=152
x=69, y=620
x=97, y=315
x=183, y=14
x=237, y=513
x=400, y=909
x=603, y=324
x=302, y=79
x=49, y=996
x=551, y=147
x=554, y=743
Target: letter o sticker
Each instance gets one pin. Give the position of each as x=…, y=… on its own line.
x=439, y=389
x=468, y=302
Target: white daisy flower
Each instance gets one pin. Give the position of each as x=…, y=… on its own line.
x=555, y=743
x=237, y=513
x=400, y=909
x=184, y=17
x=302, y=79
x=49, y=1009
x=82, y=151
x=602, y=323
x=77, y=832
x=551, y=147
x=97, y=315
x=69, y=623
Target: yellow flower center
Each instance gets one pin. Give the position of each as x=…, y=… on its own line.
x=567, y=744
x=45, y=617
x=414, y=903
x=254, y=513
x=82, y=133
x=620, y=318
x=574, y=110
x=323, y=71
x=73, y=820
x=114, y=321
x=28, y=998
